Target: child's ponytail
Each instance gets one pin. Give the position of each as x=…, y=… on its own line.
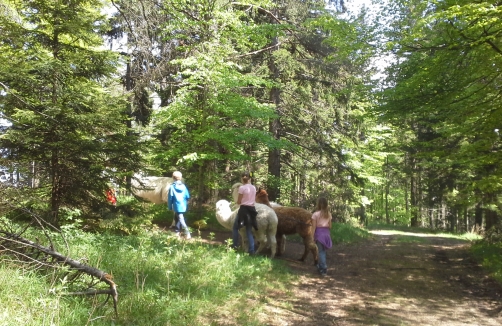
x=322, y=206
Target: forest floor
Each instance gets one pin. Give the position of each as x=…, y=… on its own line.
x=392, y=279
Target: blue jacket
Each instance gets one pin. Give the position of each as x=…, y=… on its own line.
x=177, y=199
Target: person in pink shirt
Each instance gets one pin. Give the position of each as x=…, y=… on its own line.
x=321, y=224
x=246, y=216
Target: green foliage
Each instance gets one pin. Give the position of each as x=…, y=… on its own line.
x=25, y=299
x=215, y=77
x=345, y=233
x=211, y=118
x=489, y=255
x=162, y=280
x=66, y=121
x=440, y=96
x=354, y=40
x=132, y=217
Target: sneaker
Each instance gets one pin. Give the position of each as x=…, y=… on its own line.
x=323, y=274
x=188, y=237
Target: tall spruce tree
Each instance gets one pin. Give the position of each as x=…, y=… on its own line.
x=58, y=95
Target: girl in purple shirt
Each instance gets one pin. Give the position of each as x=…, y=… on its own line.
x=321, y=224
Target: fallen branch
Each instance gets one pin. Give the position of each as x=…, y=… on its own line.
x=100, y=275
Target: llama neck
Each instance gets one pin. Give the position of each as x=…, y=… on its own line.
x=224, y=218
x=263, y=199
x=235, y=191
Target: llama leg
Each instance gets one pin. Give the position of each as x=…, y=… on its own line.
x=283, y=244
x=273, y=244
x=306, y=244
x=315, y=252
x=263, y=245
x=279, y=240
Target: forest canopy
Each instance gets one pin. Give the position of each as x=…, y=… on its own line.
x=96, y=92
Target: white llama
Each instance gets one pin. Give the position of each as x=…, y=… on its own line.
x=266, y=219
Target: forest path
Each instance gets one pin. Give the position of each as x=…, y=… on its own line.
x=392, y=279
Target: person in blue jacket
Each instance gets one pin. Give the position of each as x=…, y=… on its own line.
x=177, y=201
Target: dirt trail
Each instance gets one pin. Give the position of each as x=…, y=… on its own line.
x=390, y=280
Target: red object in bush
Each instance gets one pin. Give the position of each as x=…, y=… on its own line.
x=110, y=196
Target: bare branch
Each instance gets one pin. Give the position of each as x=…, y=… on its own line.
x=258, y=51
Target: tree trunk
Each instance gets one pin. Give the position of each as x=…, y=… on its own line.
x=478, y=216
x=55, y=189
x=491, y=216
x=466, y=219
x=413, y=199
x=491, y=219
x=128, y=88
x=200, y=188
x=274, y=156
x=387, y=190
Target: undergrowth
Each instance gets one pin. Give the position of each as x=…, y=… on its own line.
x=488, y=251
x=345, y=233
x=162, y=280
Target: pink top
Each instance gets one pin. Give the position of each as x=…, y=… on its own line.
x=321, y=222
x=248, y=192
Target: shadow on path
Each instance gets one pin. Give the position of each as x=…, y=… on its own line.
x=405, y=279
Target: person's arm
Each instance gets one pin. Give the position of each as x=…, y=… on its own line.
x=330, y=219
x=169, y=200
x=239, y=199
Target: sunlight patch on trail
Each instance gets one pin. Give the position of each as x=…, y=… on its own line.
x=414, y=234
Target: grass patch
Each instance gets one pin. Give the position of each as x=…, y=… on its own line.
x=346, y=233
x=490, y=256
x=161, y=281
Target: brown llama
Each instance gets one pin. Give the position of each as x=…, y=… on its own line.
x=292, y=220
